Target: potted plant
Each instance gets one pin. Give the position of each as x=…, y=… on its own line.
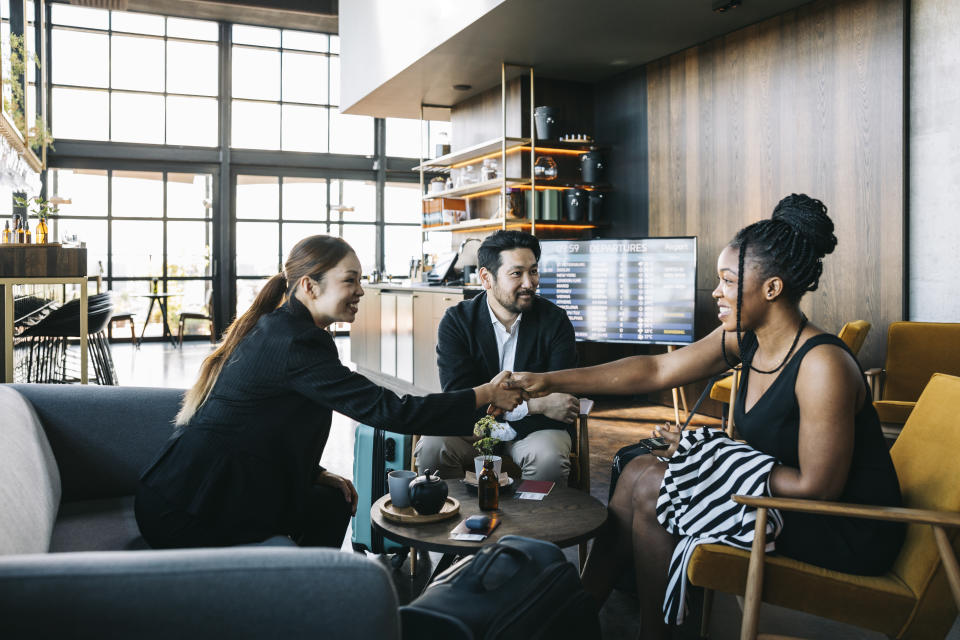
x=484, y=429
x=42, y=208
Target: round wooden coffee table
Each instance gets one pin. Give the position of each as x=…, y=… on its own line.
x=565, y=517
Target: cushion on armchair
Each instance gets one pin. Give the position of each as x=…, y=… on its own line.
x=29, y=479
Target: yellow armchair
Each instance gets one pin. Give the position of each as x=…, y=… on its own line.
x=920, y=596
x=915, y=351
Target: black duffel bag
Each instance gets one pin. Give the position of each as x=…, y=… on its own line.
x=515, y=588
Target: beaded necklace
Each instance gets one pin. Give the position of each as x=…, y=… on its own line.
x=796, y=339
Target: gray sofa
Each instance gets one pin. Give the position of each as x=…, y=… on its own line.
x=73, y=564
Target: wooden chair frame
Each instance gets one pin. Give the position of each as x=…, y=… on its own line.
x=939, y=520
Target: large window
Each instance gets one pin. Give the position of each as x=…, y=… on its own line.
x=139, y=226
x=286, y=91
x=133, y=77
x=410, y=139
x=275, y=212
x=146, y=80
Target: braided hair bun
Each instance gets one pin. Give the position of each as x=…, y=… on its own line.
x=790, y=244
x=807, y=217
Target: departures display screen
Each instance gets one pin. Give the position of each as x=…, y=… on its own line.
x=640, y=290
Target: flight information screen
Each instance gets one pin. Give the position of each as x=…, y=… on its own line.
x=641, y=290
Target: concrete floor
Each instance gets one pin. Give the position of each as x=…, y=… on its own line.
x=612, y=425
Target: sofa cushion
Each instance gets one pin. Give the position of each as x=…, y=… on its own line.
x=103, y=437
x=29, y=479
x=97, y=525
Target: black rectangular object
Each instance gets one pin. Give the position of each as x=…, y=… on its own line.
x=640, y=290
x=515, y=589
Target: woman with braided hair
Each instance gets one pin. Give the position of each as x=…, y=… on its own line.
x=802, y=399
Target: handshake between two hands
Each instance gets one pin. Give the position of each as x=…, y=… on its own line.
x=509, y=389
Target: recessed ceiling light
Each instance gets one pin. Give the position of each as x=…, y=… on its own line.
x=722, y=6
x=463, y=87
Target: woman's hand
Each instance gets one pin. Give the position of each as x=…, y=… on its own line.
x=670, y=433
x=501, y=396
x=534, y=385
x=333, y=480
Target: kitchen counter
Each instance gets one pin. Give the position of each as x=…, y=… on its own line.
x=393, y=339
x=409, y=285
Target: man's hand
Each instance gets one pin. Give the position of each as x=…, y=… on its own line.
x=333, y=480
x=562, y=407
x=503, y=397
x=534, y=385
x=670, y=433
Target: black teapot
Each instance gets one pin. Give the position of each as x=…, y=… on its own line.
x=427, y=494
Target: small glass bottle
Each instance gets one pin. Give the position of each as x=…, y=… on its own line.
x=27, y=236
x=6, y=232
x=21, y=237
x=488, y=487
x=42, y=233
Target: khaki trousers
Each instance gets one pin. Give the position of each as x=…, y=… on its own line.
x=542, y=455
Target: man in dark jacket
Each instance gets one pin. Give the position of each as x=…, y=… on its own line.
x=508, y=327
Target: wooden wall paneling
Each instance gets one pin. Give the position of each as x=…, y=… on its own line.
x=573, y=99
x=810, y=101
x=478, y=119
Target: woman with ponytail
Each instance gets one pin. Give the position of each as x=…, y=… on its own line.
x=243, y=464
x=802, y=399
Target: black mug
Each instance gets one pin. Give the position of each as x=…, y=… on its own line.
x=546, y=122
x=575, y=202
x=591, y=167
x=595, y=208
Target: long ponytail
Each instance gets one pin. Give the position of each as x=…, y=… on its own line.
x=269, y=298
x=313, y=256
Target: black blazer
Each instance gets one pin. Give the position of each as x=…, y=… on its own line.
x=467, y=350
x=250, y=453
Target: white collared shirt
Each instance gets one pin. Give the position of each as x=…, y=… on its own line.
x=507, y=353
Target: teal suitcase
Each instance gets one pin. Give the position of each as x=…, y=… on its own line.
x=375, y=454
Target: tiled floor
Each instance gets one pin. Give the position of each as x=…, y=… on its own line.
x=611, y=426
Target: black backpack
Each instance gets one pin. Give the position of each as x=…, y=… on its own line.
x=517, y=588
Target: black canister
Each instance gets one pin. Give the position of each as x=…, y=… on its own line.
x=591, y=167
x=575, y=204
x=595, y=208
x=546, y=122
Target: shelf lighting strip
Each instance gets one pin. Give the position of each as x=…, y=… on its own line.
x=540, y=150
x=525, y=187
x=510, y=225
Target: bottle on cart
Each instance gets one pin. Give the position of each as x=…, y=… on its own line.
x=18, y=231
x=27, y=238
x=6, y=232
x=488, y=487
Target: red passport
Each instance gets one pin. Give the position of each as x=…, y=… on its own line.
x=534, y=489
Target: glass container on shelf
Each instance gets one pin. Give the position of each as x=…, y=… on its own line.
x=489, y=170
x=545, y=168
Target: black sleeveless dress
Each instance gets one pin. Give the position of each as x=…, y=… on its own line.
x=850, y=545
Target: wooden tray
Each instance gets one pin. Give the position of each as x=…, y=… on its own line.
x=406, y=515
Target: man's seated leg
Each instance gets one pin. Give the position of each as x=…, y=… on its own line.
x=543, y=455
x=448, y=456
